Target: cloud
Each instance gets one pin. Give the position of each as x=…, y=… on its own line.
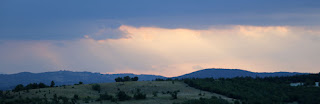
x=170, y=52
x=42, y=20
x=107, y=33
x=198, y=67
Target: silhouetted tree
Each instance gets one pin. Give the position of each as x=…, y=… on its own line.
x=119, y=79
x=135, y=79
x=52, y=84
x=159, y=79
x=126, y=78
x=42, y=85
x=18, y=88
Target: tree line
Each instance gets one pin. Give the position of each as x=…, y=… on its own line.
x=126, y=78
x=269, y=90
x=21, y=87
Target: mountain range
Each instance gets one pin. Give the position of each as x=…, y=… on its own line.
x=9, y=81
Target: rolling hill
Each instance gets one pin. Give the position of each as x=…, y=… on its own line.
x=231, y=73
x=86, y=94
x=9, y=81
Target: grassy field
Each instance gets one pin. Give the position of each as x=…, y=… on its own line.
x=147, y=87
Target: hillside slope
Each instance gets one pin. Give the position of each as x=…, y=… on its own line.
x=231, y=73
x=147, y=87
x=9, y=81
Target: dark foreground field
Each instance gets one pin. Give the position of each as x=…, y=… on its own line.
x=157, y=92
x=238, y=90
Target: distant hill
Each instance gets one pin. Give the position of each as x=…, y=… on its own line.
x=9, y=81
x=230, y=73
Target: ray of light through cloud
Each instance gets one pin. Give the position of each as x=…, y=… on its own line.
x=167, y=37
x=170, y=52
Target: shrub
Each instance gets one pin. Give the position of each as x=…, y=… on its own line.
x=174, y=94
x=105, y=96
x=55, y=99
x=138, y=95
x=87, y=99
x=155, y=93
x=122, y=96
x=96, y=87
x=76, y=97
x=64, y=99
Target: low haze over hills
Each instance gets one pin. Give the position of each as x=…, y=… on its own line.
x=230, y=73
x=8, y=81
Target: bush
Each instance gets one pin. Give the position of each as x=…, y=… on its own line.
x=174, y=94
x=55, y=99
x=76, y=97
x=105, y=96
x=155, y=93
x=87, y=99
x=64, y=99
x=96, y=87
x=122, y=96
x=138, y=95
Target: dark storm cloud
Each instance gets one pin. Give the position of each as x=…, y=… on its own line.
x=65, y=20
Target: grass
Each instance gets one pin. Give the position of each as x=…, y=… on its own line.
x=147, y=87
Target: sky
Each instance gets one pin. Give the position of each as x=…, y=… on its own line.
x=164, y=37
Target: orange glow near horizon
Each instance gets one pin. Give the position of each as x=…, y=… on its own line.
x=173, y=52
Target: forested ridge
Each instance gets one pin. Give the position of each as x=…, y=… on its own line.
x=269, y=90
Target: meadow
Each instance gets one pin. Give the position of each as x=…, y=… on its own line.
x=157, y=92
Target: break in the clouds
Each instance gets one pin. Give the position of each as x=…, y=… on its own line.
x=167, y=37
x=171, y=52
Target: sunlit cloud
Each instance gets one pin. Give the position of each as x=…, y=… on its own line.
x=171, y=52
